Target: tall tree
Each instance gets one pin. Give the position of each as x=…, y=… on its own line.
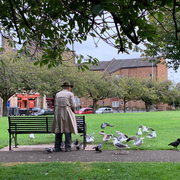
x=16, y=76
x=127, y=89
x=147, y=92
x=98, y=86
x=51, y=25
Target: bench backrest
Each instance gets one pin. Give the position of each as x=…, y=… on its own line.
x=38, y=124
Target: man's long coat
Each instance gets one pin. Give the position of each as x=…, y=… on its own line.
x=64, y=117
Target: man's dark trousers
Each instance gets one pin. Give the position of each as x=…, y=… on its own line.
x=58, y=140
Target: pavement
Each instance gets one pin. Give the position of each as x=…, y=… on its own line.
x=37, y=153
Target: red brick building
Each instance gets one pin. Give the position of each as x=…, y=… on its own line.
x=136, y=67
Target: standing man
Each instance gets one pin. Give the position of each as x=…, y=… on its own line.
x=64, y=117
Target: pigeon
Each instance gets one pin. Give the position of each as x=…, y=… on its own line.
x=175, y=144
x=62, y=144
x=76, y=142
x=121, y=137
x=152, y=135
x=103, y=125
x=106, y=137
x=31, y=136
x=139, y=133
x=98, y=147
x=79, y=147
x=50, y=150
x=119, y=145
x=89, y=138
x=137, y=142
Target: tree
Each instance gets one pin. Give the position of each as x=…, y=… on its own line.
x=51, y=25
x=126, y=89
x=98, y=86
x=147, y=92
x=16, y=76
x=165, y=44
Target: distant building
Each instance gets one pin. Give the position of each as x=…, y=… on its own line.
x=135, y=67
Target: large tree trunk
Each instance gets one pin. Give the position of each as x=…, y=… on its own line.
x=147, y=109
x=124, y=100
x=4, y=107
x=94, y=105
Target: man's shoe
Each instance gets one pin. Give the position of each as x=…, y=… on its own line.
x=58, y=150
x=68, y=150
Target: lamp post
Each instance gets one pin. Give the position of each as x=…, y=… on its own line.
x=173, y=98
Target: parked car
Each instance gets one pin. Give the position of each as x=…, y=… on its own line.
x=43, y=112
x=84, y=111
x=34, y=110
x=104, y=110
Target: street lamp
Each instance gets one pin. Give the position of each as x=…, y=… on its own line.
x=173, y=98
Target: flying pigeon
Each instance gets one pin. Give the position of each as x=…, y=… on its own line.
x=119, y=145
x=106, y=137
x=152, y=135
x=89, y=138
x=121, y=137
x=103, y=125
x=50, y=150
x=98, y=147
x=146, y=130
x=137, y=142
x=79, y=147
x=31, y=136
x=139, y=133
x=76, y=142
x=175, y=144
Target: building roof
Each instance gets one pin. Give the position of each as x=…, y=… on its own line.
x=114, y=65
x=102, y=65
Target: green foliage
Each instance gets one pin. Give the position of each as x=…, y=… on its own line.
x=53, y=25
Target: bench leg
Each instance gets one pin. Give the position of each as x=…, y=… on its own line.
x=15, y=140
x=9, y=141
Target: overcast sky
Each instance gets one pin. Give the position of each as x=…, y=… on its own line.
x=105, y=52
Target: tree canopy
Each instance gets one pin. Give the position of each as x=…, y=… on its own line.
x=52, y=25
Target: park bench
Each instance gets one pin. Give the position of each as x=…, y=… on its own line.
x=38, y=125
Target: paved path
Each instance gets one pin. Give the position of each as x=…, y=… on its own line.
x=38, y=154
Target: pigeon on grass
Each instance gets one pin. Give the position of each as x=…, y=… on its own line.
x=121, y=137
x=119, y=145
x=139, y=133
x=137, y=142
x=175, y=144
x=153, y=134
x=103, y=125
x=31, y=136
x=106, y=137
x=98, y=147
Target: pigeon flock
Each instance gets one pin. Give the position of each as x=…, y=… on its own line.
x=119, y=140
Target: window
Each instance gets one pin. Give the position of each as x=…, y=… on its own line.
x=122, y=103
x=117, y=76
x=122, y=76
x=115, y=104
x=150, y=75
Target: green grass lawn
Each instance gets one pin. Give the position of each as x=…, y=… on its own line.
x=90, y=171
x=165, y=123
